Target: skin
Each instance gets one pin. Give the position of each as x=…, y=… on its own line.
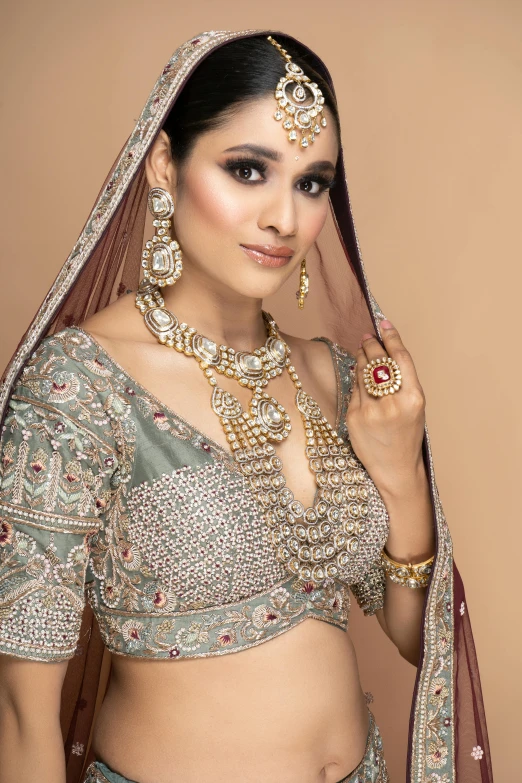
x=249, y=717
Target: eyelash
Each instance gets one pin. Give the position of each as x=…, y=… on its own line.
x=326, y=183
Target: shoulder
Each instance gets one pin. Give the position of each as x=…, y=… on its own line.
x=60, y=366
x=66, y=377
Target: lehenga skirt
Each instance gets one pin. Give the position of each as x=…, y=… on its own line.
x=370, y=769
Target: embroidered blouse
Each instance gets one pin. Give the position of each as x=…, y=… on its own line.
x=110, y=497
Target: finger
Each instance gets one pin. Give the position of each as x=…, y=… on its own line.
x=393, y=347
x=398, y=351
x=362, y=361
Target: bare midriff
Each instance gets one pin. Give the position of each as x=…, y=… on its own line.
x=290, y=710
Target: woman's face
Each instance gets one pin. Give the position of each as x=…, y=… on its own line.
x=246, y=184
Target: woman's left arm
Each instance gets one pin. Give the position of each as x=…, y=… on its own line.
x=386, y=434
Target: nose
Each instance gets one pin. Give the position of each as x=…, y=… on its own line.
x=280, y=212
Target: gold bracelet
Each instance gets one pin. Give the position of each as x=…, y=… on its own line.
x=407, y=574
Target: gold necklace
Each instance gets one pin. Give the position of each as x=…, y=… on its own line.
x=313, y=543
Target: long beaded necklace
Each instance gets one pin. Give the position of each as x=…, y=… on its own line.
x=313, y=543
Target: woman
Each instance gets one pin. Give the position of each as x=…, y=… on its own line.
x=195, y=522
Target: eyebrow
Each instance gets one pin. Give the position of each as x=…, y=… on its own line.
x=270, y=154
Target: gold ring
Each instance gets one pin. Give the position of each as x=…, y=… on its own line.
x=382, y=377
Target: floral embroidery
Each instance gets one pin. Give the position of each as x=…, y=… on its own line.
x=78, y=749
x=433, y=746
x=462, y=608
x=438, y=691
x=437, y=755
x=6, y=532
x=477, y=752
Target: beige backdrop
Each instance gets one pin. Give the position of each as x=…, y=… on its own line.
x=432, y=125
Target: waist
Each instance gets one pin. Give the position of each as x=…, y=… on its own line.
x=297, y=698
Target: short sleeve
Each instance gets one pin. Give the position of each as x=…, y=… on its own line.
x=369, y=591
x=57, y=458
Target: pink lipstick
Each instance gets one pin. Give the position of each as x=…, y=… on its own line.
x=269, y=255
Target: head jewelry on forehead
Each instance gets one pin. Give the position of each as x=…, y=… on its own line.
x=300, y=100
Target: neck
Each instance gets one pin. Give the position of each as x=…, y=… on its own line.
x=217, y=313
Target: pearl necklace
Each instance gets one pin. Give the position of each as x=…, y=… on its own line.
x=313, y=543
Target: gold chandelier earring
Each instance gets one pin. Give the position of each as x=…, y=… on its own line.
x=304, y=285
x=161, y=258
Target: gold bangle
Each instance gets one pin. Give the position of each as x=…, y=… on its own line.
x=407, y=574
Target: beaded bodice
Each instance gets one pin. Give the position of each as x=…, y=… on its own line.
x=108, y=496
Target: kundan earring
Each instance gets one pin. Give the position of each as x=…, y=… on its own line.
x=304, y=285
x=161, y=257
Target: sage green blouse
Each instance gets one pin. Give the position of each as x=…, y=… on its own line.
x=108, y=496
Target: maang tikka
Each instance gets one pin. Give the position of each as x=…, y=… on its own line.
x=300, y=99
x=161, y=257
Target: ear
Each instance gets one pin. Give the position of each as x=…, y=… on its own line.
x=159, y=165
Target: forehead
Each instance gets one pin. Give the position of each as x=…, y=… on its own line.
x=253, y=123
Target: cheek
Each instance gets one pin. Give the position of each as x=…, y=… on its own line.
x=215, y=204
x=313, y=219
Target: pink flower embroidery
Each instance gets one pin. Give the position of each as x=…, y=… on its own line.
x=225, y=637
x=131, y=631
x=477, y=752
x=437, y=755
x=307, y=587
x=263, y=616
x=6, y=532
x=160, y=599
x=462, y=608
x=160, y=420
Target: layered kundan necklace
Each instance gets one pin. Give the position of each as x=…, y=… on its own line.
x=315, y=542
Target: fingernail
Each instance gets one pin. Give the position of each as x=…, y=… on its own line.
x=386, y=324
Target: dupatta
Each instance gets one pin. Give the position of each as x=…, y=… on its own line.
x=447, y=734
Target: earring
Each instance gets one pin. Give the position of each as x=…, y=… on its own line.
x=161, y=257
x=304, y=285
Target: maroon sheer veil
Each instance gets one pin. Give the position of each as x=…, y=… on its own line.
x=447, y=738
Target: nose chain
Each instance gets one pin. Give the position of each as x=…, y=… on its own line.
x=313, y=543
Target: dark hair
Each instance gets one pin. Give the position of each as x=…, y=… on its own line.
x=242, y=70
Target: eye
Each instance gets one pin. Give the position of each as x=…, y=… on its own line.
x=245, y=172
x=246, y=169
x=316, y=185
x=310, y=184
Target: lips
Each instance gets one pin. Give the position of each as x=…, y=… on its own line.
x=269, y=255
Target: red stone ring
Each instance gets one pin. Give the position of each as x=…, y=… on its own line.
x=382, y=377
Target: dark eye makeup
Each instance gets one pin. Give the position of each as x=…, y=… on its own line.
x=243, y=164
